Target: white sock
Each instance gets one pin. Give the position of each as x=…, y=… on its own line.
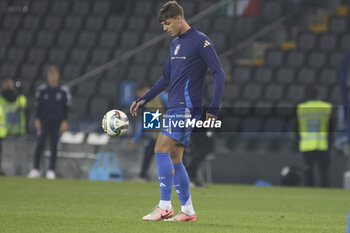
x=166, y=205
x=188, y=207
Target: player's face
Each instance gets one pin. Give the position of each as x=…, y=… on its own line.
x=53, y=78
x=172, y=26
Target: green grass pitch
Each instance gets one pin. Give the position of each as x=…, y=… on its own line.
x=86, y=206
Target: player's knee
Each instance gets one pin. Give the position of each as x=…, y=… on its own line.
x=160, y=149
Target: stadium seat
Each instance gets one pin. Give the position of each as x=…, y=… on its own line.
x=155, y=73
x=101, y=8
x=335, y=97
x=28, y=71
x=129, y=39
x=219, y=40
x=338, y=25
x=143, y=8
x=81, y=7
x=328, y=77
x=73, y=22
x=45, y=38
x=263, y=74
x=327, y=42
x=11, y=21
x=3, y=51
x=245, y=26
x=271, y=10
x=24, y=38
x=273, y=92
x=66, y=39
x=306, y=76
x=5, y=37
x=60, y=7
x=307, y=41
x=323, y=92
x=98, y=107
x=224, y=24
x=16, y=54
x=3, y=6
x=117, y=72
x=252, y=126
x=94, y=23
x=36, y=55
x=317, y=59
x=108, y=89
x=32, y=22
x=154, y=26
x=285, y=109
x=39, y=7
x=263, y=108
x=162, y=56
x=145, y=57
x=241, y=107
x=136, y=23
x=71, y=71
x=295, y=93
x=87, y=39
x=137, y=73
x=79, y=106
x=57, y=56
x=100, y=56
x=8, y=70
x=274, y=58
x=231, y=92
x=87, y=88
x=285, y=75
x=335, y=59
x=115, y=23
x=189, y=7
x=52, y=22
x=345, y=42
x=295, y=58
x=108, y=39
x=252, y=92
x=79, y=55
x=203, y=25
x=242, y=74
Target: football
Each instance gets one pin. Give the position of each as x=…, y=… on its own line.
x=115, y=123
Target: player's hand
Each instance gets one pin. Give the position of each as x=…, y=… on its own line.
x=64, y=126
x=135, y=106
x=37, y=124
x=211, y=116
x=132, y=144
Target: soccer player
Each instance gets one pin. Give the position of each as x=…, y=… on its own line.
x=191, y=53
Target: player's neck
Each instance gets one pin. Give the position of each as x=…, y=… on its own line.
x=185, y=28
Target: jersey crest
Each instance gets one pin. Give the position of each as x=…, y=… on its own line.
x=176, y=51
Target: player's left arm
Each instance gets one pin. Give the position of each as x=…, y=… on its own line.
x=208, y=53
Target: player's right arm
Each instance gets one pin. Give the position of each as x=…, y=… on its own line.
x=157, y=88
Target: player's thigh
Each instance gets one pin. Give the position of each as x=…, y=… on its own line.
x=164, y=144
x=177, y=153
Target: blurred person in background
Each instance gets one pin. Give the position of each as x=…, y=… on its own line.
x=14, y=104
x=52, y=104
x=158, y=102
x=314, y=127
x=3, y=132
x=201, y=145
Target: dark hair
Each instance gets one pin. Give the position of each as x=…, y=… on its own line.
x=141, y=86
x=169, y=10
x=312, y=93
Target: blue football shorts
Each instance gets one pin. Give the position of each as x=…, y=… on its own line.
x=173, y=128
